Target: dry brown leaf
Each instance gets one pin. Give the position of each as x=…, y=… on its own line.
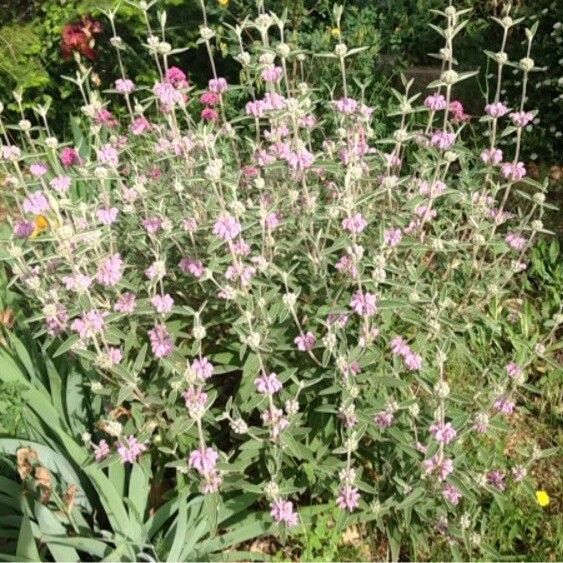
x=69, y=497
x=44, y=480
x=24, y=458
x=351, y=536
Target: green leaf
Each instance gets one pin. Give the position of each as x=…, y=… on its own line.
x=26, y=547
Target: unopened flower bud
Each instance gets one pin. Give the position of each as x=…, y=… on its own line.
x=507, y=21
x=441, y=389
x=501, y=58
x=24, y=124
x=401, y=135
x=340, y=50
x=284, y=50
x=238, y=426
x=539, y=198
x=199, y=332
x=164, y=48
x=206, y=33
x=526, y=64
x=450, y=77
x=271, y=490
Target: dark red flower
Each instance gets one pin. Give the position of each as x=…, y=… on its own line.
x=78, y=37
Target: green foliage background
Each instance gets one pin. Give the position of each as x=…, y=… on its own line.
x=396, y=31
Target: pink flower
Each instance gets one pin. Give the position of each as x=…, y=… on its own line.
x=519, y=473
x=513, y=172
x=140, y=125
x=189, y=224
x=61, y=184
x=203, y=460
x=126, y=303
x=272, y=74
x=193, y=267
x=107, y=216
x=105, y=117
x=111, y=271
x=124, y=85
x=167, y=95
x=77, y=282
x=516, y=242
x=348, y=498
x=217, y=85
x=255, y=108
x=451, y=494
x=209, y=98
x=354, y=224
x=23, y=229
x=11, y=152
x=89, y=324
x=101, y=451
x=300, y=160
x=176, y=77
x=271, y=221
x=36, y=203
x=504, y=405
x=513, y=370
x=481, y=422
x=442, y=140
x=38, y=169
x=435, y=102
x=130, y=449
x=211, y=482
x=162, y=303
x=492, y=156
x=282, y=512
x=209, y=114
x=521, y=118
x=69, y=157
x=107, y=154
x=443, y=433
x=496, y=479
x=364, y=304
x=412, y=361
x=227, y=227
x=161, y=341
x=443, y=467
x=56, y=321
x=152, y=224
x=305, y=342
x=195, y=399
x=498, y=109
x=203, y=368
x=307, y=121
x=458, y=113
x=156, y=271
x=347, y=265
x=392, y=237
x=346, y=105
x=399, y=346
x=273, y=101
x=268, y=384
x=384, y=419
x=274, y=418
x=114, y=355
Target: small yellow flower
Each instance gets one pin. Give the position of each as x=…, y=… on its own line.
x=542, y=497
x=223, y=3
x=41, y=224
x=335, y=32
